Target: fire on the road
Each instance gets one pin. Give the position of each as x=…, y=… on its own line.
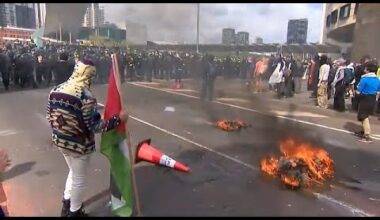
x=233, y=125
x=300, y=165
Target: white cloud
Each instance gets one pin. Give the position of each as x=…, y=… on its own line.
x=177, y=22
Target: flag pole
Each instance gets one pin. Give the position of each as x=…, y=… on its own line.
x=132, y=159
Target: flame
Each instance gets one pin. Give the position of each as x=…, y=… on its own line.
x=233, y=125
x=290, y=181
x=299, y=164
x=269, y=166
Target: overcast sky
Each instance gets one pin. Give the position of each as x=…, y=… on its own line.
x=178, y=22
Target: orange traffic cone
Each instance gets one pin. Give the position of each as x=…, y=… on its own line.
x=148, y=153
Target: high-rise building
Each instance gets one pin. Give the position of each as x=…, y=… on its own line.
x=228, y=36
x=21, y=15
x=242, y=38
x=25, y=16
x=259, y=40
x=101, y=16
x=40, y=11
x=94, y=16
x=297, y=31
x=17, y=21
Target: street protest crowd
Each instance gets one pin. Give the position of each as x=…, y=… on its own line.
x=71, y=68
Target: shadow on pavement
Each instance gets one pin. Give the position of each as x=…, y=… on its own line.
x=18, y=170
x=352, y=127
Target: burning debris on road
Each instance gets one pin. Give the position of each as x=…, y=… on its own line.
x=301, y=164
x=233, y=125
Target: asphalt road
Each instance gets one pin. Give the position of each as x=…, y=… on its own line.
x=225, y=179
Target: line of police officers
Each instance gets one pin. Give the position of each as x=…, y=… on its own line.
x=29, y=66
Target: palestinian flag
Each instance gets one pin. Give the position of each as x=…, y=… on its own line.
x=114, y=147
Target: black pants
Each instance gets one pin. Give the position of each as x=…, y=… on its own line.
x=131, y=73
x=48, y=77
x=355, y=102
x=207, y=90
x=148, y=73
x=178, y=75
x=339, y=103
x=378, y=106
x=280, y=89
x=289, y=87
x=367, y=104
x=26, y=79
x=39, y=76
x=5, y=77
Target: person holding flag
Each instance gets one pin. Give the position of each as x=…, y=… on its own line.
x=113, y=145
x=73, y=116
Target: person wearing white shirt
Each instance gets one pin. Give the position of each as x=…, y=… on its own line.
x=322, y=100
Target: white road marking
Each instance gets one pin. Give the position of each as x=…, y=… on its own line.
x=149, y=83
x=258, y=112
x=233, y=100
x=181, y=90
x=5, y=133
x=298, y=114
x=163, y=90
x=344, y=205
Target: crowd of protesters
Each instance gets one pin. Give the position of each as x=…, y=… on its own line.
x=28, y=66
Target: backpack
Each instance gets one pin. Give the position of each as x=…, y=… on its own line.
x=348, y=75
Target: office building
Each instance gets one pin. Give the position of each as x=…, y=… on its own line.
x=242, y=38
x=259, y=40
x=228, y=36
x=354, y=27
x=94, y=16
x=297, y=31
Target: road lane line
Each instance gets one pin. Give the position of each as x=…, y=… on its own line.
x=256, y=111
x=5, y=133
x=354, y=210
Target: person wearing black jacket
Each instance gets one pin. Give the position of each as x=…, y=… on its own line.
x=25, y=66
x=41, y=70
x=208, y=77
x=62, y=69
x=5, y=69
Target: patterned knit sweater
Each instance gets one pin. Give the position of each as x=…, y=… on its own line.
x=72, y=113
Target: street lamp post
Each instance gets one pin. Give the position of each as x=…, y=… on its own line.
x=198, y=28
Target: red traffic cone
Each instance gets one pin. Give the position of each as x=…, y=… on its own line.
x=148, y=153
